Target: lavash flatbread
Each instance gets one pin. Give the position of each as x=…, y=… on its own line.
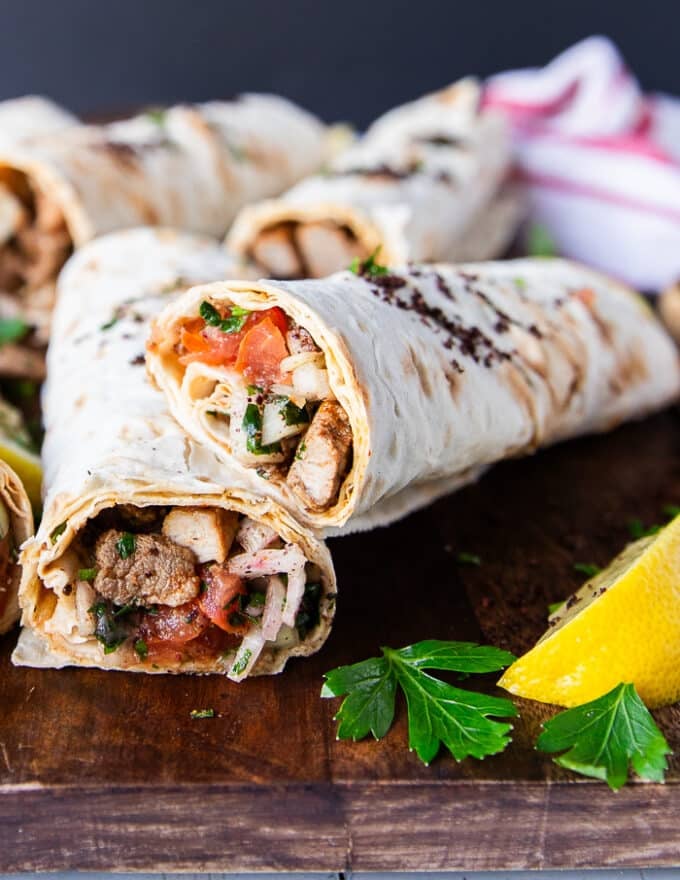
x=427, y=182
x=441, y=370
x=111, y=441
x=16, y=508
x=31, y=116
x=189, y=167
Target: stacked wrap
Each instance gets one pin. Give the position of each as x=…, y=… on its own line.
x=190, y=167
x=440, y=370
x=111, y=441
x=426, y=182
x=31, y=116
x=16, y=517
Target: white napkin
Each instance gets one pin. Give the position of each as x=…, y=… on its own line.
x=601, y=161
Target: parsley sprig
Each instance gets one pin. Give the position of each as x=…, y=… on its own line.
x=232, y=324
x=370, y=267
x=601, y=738
x=438, y=713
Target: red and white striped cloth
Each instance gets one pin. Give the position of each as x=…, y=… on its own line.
x=601, y=161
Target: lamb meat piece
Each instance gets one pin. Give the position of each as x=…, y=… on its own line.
x=157, y=571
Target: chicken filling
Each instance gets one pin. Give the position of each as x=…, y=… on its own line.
x=34, y=245
x=167, y=585
x=310, y=249
x=269, y=403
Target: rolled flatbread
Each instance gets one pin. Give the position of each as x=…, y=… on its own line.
x=31, y=116
x=427, y=182
x=16, y=515
x=149, y=557
x=189, y=167
x=359, y=397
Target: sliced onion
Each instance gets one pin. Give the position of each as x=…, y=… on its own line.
x=85, y=599
x=254, y=536
x=312, y=382
x=267, y=562
x=273, y=609
x=293, y=361
x=289, y=392
x=247, y=655
x=294, y=593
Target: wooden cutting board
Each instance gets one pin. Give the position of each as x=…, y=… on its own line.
x=107, y=771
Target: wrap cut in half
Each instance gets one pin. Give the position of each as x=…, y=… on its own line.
x=189, y=167
x=149, y=557
x=357, y=398
x=427, y=182
x=16, y=526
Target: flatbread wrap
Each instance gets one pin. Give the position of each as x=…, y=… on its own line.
x=189, y=167
x=16, y=515
x=31, y=116
x=359, y=397
x=427, y=182
x=149, y=558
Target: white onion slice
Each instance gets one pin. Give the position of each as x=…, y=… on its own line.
x=274, y=427
x=247, y=655
x=273, y=609
x=294, y=593
x=293, y=361
x=312, y=382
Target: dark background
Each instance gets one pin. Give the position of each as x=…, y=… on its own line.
x=345, y=60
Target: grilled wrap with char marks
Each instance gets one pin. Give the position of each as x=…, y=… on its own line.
x=427, y=182
x=149, y=557
x=189, y=167
x=356, y=398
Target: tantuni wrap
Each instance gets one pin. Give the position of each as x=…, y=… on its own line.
x=148, y=557
x=16, y=515
x=427, y=182
x=189, y=167
x=359, y=397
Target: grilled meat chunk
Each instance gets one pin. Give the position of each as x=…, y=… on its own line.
x=317, y=471
x=155, y=571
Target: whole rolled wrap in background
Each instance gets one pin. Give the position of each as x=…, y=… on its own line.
x=31, y=116
x=189, y=167
x=427, y=182
x=430, y=374
x=116, y=460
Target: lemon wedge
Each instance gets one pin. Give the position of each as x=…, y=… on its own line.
x=27, y=467
x=623, y=625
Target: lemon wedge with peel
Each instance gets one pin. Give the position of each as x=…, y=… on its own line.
x=27, y=466
x=623, y=625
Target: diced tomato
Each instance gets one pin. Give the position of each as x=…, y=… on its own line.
x=256, y=354
x=261, y=352
x=220, y=601
x=171, y=628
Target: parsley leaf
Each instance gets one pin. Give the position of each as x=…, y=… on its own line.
x=201, y=713
x=601, y=738
x=437, y=712
x=552, y=608
x=126, y=545
x=587, y=568
x=368, y=267
x=638, y=530
x=87, y=574
x=56, y=533
x=232, y=324
x=540, y=242
x=464, y=558
x=672, y=510
x=12, y=330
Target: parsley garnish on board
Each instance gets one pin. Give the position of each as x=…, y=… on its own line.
x=202, y=713
x=437, y=712
x=464, y=558
x=587, y=568
x=603, y=737
x=368, y=267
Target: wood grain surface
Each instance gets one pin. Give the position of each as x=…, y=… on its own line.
x=107, y=771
